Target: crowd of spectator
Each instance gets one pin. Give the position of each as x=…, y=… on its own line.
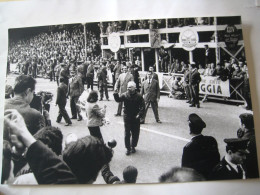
x=117, y=26
x=39, y=55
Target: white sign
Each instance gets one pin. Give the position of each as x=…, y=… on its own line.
x=214, y=86
x=189, y=39
x=114, y=42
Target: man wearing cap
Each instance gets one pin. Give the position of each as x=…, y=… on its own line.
x=201, y=153
x=231, y=166
x=76, y=88
x=133, y=111
x=247, y=131
x=194, y=81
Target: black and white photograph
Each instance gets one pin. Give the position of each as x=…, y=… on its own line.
x=128, y=101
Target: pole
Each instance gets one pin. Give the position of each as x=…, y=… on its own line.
x=217, y=49
x=142, y=59
x=191, y=56
x=156, y=60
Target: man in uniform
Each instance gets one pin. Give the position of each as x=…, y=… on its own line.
x=231, y=166
x=194, y=81
x=201, y=153
x=247, y=131
x=121, y=86
x=151, y=92
x=133, y=111
x=76, y=88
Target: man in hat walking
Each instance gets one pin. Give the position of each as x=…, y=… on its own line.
x=231, y=166
x=201, y=153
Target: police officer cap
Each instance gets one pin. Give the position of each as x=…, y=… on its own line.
x=239, y=144
x=196, y=121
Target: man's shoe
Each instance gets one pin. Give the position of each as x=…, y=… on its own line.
x=192, y=105
x=57, y=121
x=133, y=150
x=101, y=99
x=80, y=118
x=198, y=106
x=107, y=99
x=73, y=117
x=127, y=152
x=142, y=122
x=158, y=121
x=188, y=101
x=117, y=114
x=68, y=124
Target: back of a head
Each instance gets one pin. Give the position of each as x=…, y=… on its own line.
x=130, y=174
x=52, y=137
x=92, y=97
x=86, y=157
x=24, y=82
x=181, y=174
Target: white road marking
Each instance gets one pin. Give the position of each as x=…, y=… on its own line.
x=163, y=134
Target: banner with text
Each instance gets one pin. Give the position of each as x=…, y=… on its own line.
x=214, y=86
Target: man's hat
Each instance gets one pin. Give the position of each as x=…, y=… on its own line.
x=247, y=119
x=237, y=144
x=196, y=121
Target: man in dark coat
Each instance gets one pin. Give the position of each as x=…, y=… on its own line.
x=64, y=73
x=247, y=131
x=133, y=111
x=76, y=88
x=90, y=75
x=231, y=166
x=102, y=82
x=194, y=81
x=61, y=101
x=151, y=92
x=201, y=153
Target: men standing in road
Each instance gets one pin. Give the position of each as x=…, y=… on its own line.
x=75, y=90
x=133, y=111
x=90, y=75
x=201, y=153
x=102, y=81
x=121, y=86
x=194, y=81
x=151, y=92
x=61, y=102
x=154, y=75
x=231, y=166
